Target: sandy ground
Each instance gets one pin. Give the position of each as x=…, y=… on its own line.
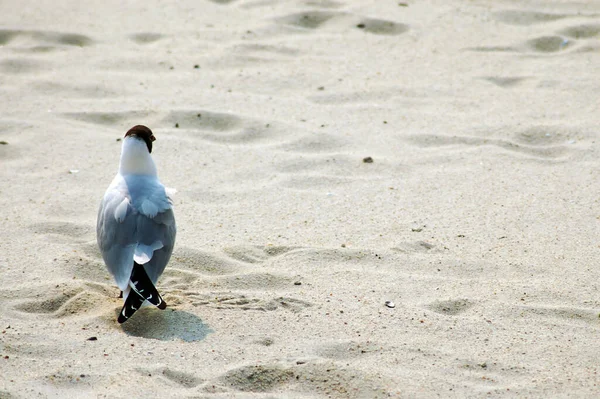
x=478, y=215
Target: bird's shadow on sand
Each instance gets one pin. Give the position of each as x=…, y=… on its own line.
x=166, y=325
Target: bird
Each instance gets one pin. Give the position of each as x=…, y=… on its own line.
x=136, y=227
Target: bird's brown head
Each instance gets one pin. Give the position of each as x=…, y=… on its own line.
x=143, y=133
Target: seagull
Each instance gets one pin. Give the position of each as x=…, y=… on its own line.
x=136, y=226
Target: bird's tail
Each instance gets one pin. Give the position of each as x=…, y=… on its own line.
x=142, y=290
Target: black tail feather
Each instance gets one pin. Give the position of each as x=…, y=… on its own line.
x=142, y=290
x=132, y=303
x=143, y=286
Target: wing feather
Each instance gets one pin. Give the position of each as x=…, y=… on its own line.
x=126, y=229
x=155, y=267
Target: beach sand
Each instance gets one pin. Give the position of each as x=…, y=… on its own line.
x=329, y=156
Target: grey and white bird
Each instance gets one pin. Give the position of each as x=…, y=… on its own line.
x=136, y=226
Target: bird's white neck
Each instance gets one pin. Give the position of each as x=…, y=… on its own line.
x=135, y=158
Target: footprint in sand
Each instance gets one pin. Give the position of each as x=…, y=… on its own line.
x=586, y=34
x=256, y=254
x=36, y=41
x=584, y=31
x=230, y=280
x=382, y=27
x=309, y=19
x=451, y=307
x=543, y=143
x=506, y=82
x=262, y=378
x=62, y=300
x=569, y=315
x=525, y=18
x=26, y=42
x=214, y=127
x=539, y=45
x=563, y=39
x=312, y=20
x=333, y=379
x=146, y=37
x=117, y=118
x=228, y=129
x=549, y=44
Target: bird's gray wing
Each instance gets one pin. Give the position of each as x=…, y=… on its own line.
x=115, y=232
x=162, y=227
x=135, y=223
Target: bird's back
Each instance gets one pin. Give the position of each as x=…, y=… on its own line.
x=136, y=221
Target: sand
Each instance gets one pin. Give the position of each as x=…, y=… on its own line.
x=477, y=217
